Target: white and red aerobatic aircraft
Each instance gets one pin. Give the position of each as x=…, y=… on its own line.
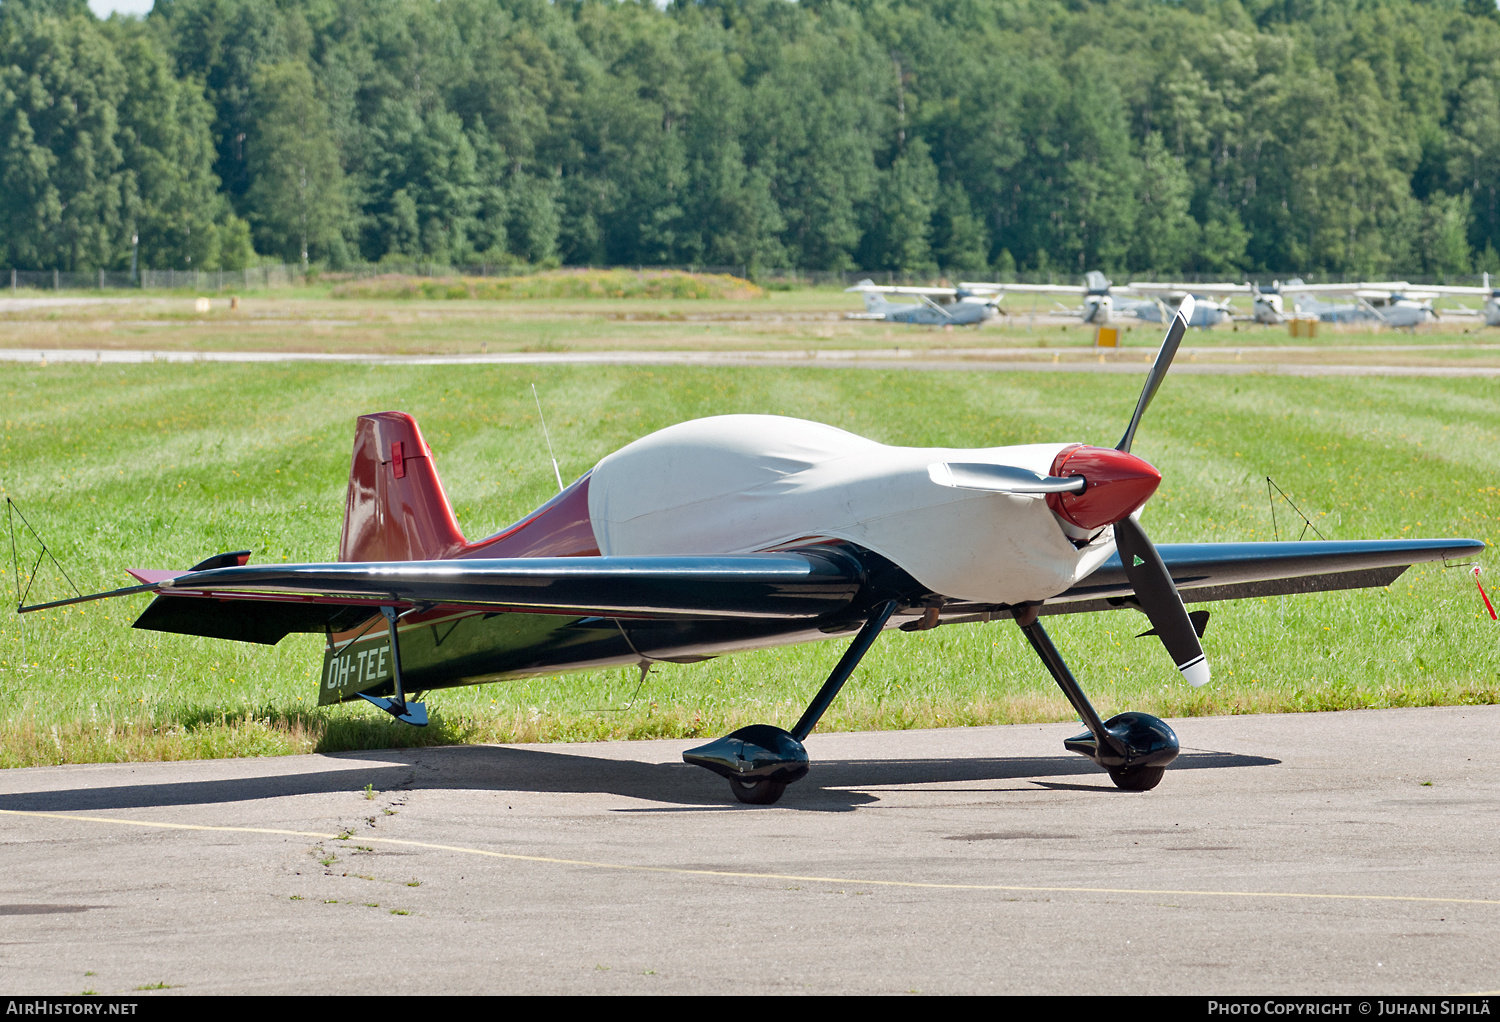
x=747, y=531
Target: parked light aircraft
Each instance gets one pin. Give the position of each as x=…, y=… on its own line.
x=1267, y=305
x=1394, y=303
x=1390, y=303
x=934, y=306
x=748, y=531
x=1102, y=302
x=1491, y=296
x=1207, y=311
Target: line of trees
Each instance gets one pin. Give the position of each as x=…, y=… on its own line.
x=962, y=136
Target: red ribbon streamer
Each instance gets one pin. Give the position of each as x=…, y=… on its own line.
x=1485, y=598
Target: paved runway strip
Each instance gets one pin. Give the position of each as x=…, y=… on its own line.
x=1136, y=361
x=1348, y=852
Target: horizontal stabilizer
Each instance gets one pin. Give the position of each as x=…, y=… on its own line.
x=265, y=622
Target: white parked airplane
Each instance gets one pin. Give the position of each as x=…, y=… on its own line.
x=1393, y=303
x=934, y=306
x=1102, y=302
x=1211, y=304
x=1491, y=296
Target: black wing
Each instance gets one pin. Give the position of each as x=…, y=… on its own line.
x=263, y=602
x=1205, y=572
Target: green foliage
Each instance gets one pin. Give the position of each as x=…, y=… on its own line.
x=959, y=240
x=900, y=236
x=296, y=194
x=1220, y=136
x=1442, y=243
x=1166, y=235
x=99, y=141
x=422, y=188
x=556, y=284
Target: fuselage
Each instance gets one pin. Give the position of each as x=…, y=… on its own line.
x=1394, y=310
x=966, y=310
x=1269, y=308
x=754, y=483
x=1206, y=313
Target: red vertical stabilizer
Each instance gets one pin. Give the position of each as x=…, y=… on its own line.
x=396, y=509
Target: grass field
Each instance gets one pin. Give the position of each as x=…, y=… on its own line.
x=159, y=466
x=315, y=319
x=568, y=284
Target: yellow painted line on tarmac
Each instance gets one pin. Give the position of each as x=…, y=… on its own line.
x=735, y=874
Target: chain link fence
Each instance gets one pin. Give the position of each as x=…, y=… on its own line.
x=366, y=270
x=252, y=277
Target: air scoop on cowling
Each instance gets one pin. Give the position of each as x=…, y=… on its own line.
x=1090, y=487
x=1002, y=479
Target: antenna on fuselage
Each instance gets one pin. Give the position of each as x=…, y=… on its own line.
x=556, y=471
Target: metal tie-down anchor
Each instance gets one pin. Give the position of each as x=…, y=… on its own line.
x=398, y=707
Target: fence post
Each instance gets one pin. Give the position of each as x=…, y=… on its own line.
x=54, y=278
x=101, y=279
x=12, y=280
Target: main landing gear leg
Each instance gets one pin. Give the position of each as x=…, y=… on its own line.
x=1134, y=747
x=761, y=760
x=410, y=713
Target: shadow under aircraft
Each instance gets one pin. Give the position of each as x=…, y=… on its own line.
x=840, y=782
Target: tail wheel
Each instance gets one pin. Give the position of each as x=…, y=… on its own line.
x=757, y=793
x=1137, y=778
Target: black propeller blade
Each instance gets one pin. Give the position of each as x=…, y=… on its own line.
x=1160, y=600
x=1154, y=588
x=1199, y=618
x=1158, y=370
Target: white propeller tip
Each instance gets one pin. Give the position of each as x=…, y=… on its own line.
x=1197, y=673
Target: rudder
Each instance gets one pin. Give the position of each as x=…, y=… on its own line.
x=395, y=509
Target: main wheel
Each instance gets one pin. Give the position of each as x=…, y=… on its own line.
x=756, y=793
x=1141, y=778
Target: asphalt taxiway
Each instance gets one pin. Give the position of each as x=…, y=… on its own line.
x=1263, y=361
x=1348, y=852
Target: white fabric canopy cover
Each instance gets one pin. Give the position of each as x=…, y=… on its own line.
x=744, y=483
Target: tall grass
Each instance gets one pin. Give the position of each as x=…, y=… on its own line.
x=556, y=284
